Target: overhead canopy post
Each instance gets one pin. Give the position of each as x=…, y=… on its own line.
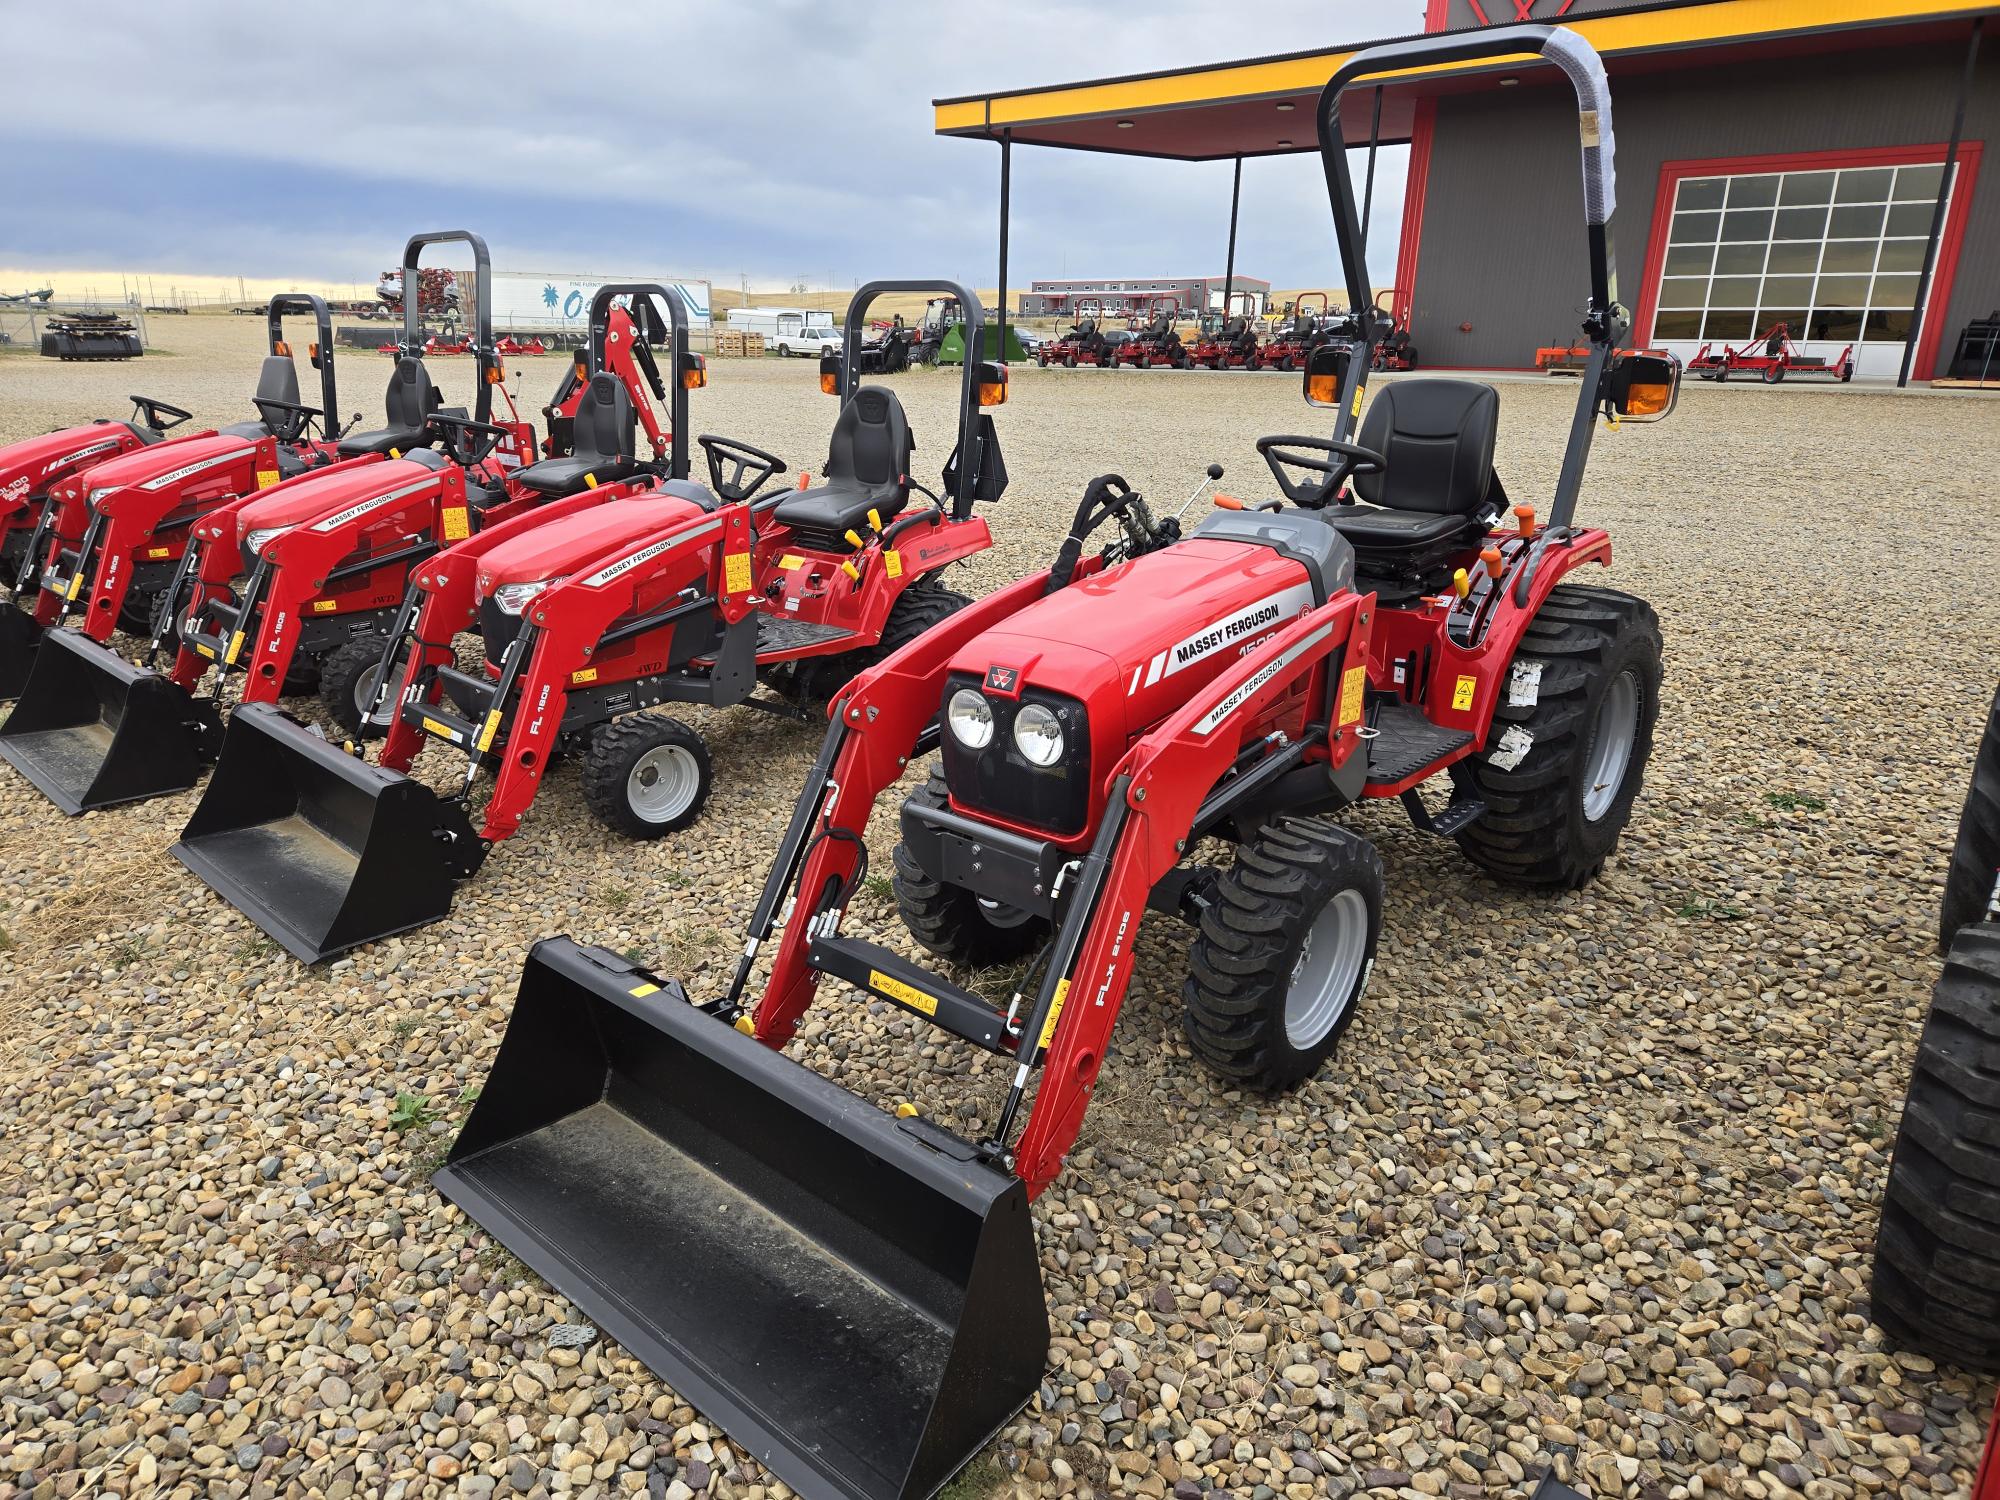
x=1229, y=268
x=1922, y=310
x=1006, y=190
x=1374, y=138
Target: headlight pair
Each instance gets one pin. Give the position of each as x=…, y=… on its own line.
x=1038, y=733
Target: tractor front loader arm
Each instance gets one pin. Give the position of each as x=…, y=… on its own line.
x=211, y=562
x=1158, y=793
x=874, y=728
x=563, y=627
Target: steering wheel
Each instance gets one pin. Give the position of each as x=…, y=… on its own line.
x=736, y=471
x=468, y=442
x=1294, y=452
x=296, y=417
x=152, y=412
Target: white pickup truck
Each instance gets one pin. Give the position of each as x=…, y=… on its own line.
x=815, y=340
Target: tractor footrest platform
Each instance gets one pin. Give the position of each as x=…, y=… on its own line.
x=775, y=634
x=1406, y=742
x=881, y=972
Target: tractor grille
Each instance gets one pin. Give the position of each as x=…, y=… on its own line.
x=1000, y=781
x=497, y=628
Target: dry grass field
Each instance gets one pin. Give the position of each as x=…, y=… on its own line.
x=1592, y=1181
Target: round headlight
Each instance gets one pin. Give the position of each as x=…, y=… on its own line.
x=971, y=719
x=1038, y=735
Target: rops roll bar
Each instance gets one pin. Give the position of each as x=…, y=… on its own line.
x=487, y=357
x=644, y=295
x=968, y=388
x=290, y=303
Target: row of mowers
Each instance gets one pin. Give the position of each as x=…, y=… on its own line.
x=1225, y=341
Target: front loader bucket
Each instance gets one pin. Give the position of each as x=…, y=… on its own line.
x=20, y=634
x=854, y=1297
x=317, y=847
x=91, y=730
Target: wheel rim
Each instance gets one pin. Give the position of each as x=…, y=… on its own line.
x=1000, y=914
x=662, y=783
x=1611, y=742
x=364, y=694
x=1327, y=970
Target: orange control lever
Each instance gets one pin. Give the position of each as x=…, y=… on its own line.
x=1524, y=517
x=1228, y=502
x=1494, y=566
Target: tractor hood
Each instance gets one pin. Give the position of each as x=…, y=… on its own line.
x=564, y=545
x=1158, y=628
x=167, y=464
x=28, y=467
x=337, y=490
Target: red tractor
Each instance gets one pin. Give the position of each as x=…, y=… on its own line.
x=1296, y=338
x=1769, y=357
x=589, y=615
x=29, y=470
x=161, y=486
x=854, y=1294
x=1155, y=342
x=1084, y=344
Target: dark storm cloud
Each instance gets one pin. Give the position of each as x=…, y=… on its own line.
x=776, y=139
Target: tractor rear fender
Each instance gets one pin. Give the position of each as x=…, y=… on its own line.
x=572, y=617
x=875, y=726
x=907, y=549
x=447, y=583
x=1477, y=677
x=1165, y=777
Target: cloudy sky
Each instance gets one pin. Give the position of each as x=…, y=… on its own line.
x=774, y=139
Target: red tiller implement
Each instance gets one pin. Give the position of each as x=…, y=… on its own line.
x=1770, y=357
x=171, y=481
x=591, y=615
x=853, y=1294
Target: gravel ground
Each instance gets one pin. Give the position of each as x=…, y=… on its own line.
x=1596, y=1173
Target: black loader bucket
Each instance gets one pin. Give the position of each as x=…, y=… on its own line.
x=317, y=847
x=855, y=1298
x=20, y=634
x=91, y=730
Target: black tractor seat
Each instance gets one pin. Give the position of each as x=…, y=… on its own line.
x=1437, y=492
x=867, y=468
x=410, y=399
x=277, y=381
x=604, y=444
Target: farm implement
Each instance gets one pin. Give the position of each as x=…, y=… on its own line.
x=131, y=507
x=326, y=552
x=591, y=614
x=853, y=1294
x=1769, y=357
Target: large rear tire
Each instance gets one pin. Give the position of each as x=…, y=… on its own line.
x=1567, y=752
x=1283, y=953
x=920, y=606
x=951, y=921
x=1972, y=881
x=646, y=775
x=1937, y=1252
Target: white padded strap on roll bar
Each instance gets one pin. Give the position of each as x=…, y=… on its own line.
x=1585, y=69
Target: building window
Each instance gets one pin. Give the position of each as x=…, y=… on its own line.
x=1833, y=255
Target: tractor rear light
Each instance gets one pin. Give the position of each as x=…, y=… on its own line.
x=496, y=372
x=971, y=719
x=1643, y=386
x=992, y=385
x=829, y=374
x=281, y=347
x=1326, y=367
x=694, y=372
x=513, y=598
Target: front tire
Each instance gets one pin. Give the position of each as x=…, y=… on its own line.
x=1937, y=1252
x=1283, y=953
x=952, y=922
x=1972, y=881
x=347, y=682
x=1567, y=752
x=646, y=775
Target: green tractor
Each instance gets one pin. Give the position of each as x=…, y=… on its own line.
x=941, y=336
